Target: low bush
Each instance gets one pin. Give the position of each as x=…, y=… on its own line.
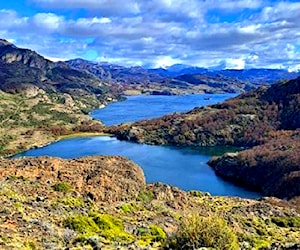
x=197, y=231
x=64, y=187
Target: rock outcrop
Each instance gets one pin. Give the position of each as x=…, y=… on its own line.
x=101, y=178
x=102, y=202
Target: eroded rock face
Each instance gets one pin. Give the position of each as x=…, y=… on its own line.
x=101, y=178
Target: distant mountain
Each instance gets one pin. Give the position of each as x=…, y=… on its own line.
x=22, y=68
x=253, y=76
x=173, y=80
x=260, y=76
x=182, y=69
x=118, y=74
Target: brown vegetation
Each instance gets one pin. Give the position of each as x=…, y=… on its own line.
x=268, y=118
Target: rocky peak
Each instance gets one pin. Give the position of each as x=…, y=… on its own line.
x=10, y=54
x=4, y=42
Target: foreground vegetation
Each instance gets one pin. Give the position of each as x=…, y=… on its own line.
x=42, y=211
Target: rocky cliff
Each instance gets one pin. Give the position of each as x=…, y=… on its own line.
x=272, y=168
x=21, y=68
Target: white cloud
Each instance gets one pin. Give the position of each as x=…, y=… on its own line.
x=48, y=21
x=294, y=68
x=162, y=32
x=237, y=63
x=165, y=61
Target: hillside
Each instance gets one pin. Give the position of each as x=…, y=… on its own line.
x=267, y=115
x=22, y=68
x=40, y=99
x=103, y=203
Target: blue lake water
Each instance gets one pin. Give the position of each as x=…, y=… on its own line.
x=182, y=167
x=150, y=106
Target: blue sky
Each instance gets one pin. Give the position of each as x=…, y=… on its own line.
x=158, y=33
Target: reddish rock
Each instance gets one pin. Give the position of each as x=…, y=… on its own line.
x=101, y=178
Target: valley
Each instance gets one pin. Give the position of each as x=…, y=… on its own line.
x=104, y=202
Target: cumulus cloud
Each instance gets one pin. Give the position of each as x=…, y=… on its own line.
x=162, y=32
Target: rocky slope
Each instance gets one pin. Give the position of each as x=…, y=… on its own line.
x=22, y=68
x=40, y=99
x=103, y=203
x=250, y=119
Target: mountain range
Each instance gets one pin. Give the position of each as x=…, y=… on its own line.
x=22, y=68
x=183, y=77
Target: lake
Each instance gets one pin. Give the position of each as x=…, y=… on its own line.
x=182, y=167
x=150, y=106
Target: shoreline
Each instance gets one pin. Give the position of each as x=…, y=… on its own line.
x=59, y=138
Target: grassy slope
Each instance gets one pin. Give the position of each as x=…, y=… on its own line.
x=27, y=121
x=35, y=215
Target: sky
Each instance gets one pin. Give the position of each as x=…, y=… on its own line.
x=233, y=34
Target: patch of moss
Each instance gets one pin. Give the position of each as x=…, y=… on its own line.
x=257, y=243
x=29, y=245
x=145, y=196
x=147, y=235
x=157, y=232
x=64, y=187
x=258, y=225
x=87, y=240
x=19, y=207
x=129, y=208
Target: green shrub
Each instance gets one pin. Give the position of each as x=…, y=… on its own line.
x=104, y=225
x=72, y=202
x=197, y=231
x=286, y=221
x=257, y=242
x=128, y=208
x=30, y=245
x=145, y=196
x=148, y=235
x=64, y=187
x=196, y=193
x=157, y=233
x=81, y=224
x=111, y=228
